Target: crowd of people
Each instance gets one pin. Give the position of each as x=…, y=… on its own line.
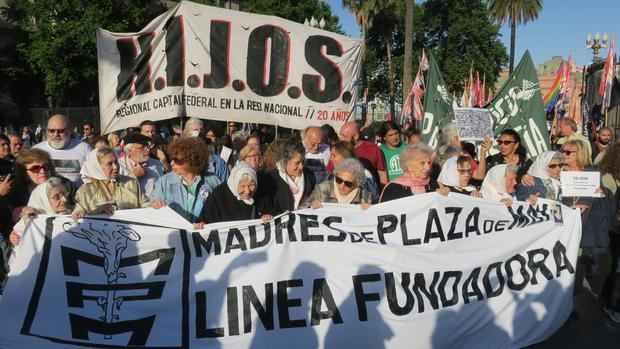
x=208, y=176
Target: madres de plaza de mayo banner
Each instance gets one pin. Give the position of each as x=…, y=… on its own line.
x=212, y=63
x=423, y=272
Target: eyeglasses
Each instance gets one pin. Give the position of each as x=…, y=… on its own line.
x=554, y=166
x=38, y=168
x=500, y=142
x=346, y=183
x=140, y=164
x=464, y=171
x=56, y=130
x=568, y=152
x=178, y=161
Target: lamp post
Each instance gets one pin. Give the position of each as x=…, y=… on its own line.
x=373, y=106
x=596, y=44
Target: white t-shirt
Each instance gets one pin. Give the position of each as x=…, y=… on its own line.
x=68, y=161
x=317, y=163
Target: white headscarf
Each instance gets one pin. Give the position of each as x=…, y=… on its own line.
x=91, y=169
x=38, y=198
x=540, y=169
x=449, y=175
x=235, y=177
x=494, y=184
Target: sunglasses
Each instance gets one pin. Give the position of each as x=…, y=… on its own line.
x=554, y=166
x=38, y=168
x=464, y=171
x=346, y=183
x=140, y=164
x=178, y=161
x=568, y=152
x=500, y=142
x=56, y=130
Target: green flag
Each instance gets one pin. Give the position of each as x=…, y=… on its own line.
x=438, y=109
x=518, y=105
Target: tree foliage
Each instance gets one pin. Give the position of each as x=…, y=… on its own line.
x=295, y=10
x=61, y=40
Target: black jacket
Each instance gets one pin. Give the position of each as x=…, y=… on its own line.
x=280, y=194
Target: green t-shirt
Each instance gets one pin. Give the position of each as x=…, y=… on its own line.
x=392, y=160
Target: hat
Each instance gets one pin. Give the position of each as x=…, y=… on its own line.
x=136, y=138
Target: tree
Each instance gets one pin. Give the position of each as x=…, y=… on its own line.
x=514, y=12
x=296, y=11
x=408, y=59
x=61, y=43
x=459, y=33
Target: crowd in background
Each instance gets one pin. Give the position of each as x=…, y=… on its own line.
x=208, y=175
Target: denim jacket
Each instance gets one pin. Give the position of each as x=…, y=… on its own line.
x=171, y=189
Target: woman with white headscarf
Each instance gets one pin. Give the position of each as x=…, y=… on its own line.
x=499, y=184
x=50, y=197
x=455, y=175
x=234, y=200
x=104, y=189
x=546, y=173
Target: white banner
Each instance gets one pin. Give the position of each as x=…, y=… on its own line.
x=212, y=63
x=422, y=272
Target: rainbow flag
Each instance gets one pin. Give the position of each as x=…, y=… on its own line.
x=552, y=96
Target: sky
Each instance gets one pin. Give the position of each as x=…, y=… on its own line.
x=560, y=29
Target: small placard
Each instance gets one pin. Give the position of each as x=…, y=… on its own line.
x=580, y=183
x=473, y=124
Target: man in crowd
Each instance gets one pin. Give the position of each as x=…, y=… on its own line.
x=88, y=131
x=16, y=143
x=568, y=127
x=366, y=152
x=317, y=154
x=391, y=147
x=600, y=145
x=194, y=128
x=5, y=148
x=67, y=154
x=137, y=164
x=149, y=130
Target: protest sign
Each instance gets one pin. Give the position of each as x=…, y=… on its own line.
x=473, y=124
x=580, y=183
x=461, y=271
x=438, y=105
x=208, y=62
x=518, y=105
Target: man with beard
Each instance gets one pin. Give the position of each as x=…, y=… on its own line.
x=137, y=163
x=391, y=147
x=600, y=145
x=67, y=154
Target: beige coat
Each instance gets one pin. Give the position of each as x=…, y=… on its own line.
x=127, y=195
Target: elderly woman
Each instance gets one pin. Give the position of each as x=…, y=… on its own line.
x=499, y=184
x=456, y=174
x=50, y=197
x=341, y=150
x=290, y=184
x=104, y=189
x=546, y=173
x=234, y=200
x=415, y=160
x=186, y=188
x=344, y=188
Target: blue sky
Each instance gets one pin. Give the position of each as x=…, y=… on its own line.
x=561, y=27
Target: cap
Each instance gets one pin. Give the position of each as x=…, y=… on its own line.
x=136, y=138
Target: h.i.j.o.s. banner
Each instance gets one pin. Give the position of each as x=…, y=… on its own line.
x=207, y=62
x=423, y=272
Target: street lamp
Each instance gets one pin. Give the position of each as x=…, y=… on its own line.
x=596, y=44
x=373, y=106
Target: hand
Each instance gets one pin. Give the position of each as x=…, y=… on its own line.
x=78, y=215
x=14, y=238
x=316, y=204
x=365, y=205
x=157, y=204
x=198, y=226
x=444, y=191
x=600, y=191
x=485, y=146
x=6, y=184
x=506, y=201
x=106, y=209
x=533, y=199
x=527, y=180
x=581, y=207
x=161, y=155
x=28, y=212
x=266, y=218
x=476, y=194
x=138, y=171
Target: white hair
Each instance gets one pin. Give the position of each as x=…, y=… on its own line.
x=352, y=166
x=190, y=122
